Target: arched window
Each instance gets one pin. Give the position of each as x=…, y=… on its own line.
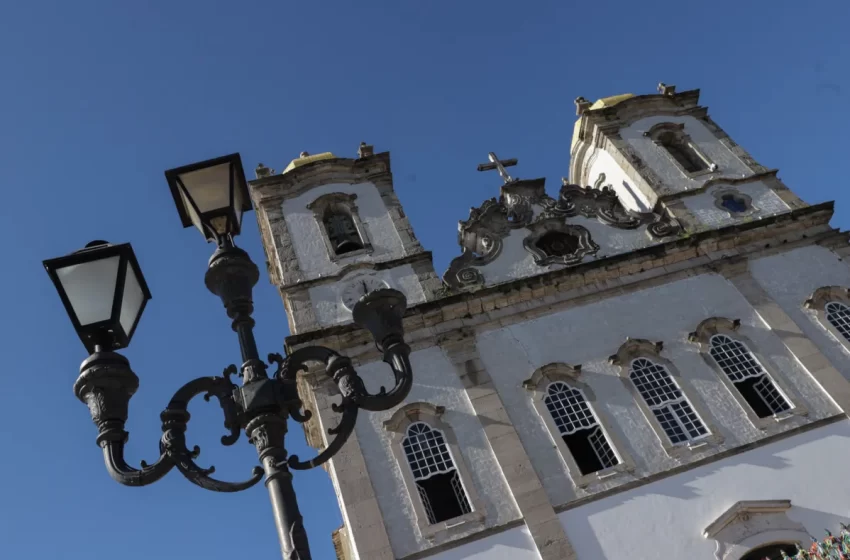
x=341, y=230
x=748, y=376
x=579, y=428
x=434, y=473
x=772, y=552
x=682, y=152
x=838, y=315
x=666, y=401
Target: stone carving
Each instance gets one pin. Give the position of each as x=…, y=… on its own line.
x=525, y=204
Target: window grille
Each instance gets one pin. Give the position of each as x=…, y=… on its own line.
x=748, y=376
x=838, y=315
x=579, y=428
x=434, y=473
x=667, y=402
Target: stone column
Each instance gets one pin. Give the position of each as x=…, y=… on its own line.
x=531, y=498
x=804, y=350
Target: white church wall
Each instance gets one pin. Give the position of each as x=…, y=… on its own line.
x=307, y=238
x=790, y=278
x=666, y=519
x=629, y=194
x=513, y=544
x=728, y=165
x=327, y=302
x=589, y=334
x=765, y=203
x=435, y=382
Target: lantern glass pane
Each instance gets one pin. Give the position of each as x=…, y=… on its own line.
x=134, y=297
x=90, y=288
x=209, y=187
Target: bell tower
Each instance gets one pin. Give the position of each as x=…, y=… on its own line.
x=333, y=230
x=660, y=147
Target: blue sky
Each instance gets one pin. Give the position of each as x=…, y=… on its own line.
x=98, y=98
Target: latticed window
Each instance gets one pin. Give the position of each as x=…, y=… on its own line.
x=579, y=428
x=342, y=232
x=434, y=473
x=666, y=401
x=679, y=149
x=748, y=376
x=838, y=315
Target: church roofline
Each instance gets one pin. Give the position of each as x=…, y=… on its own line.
x=823, y=211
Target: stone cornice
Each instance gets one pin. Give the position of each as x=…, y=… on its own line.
x=364, y=265
x=276, y=188
x=686, y=255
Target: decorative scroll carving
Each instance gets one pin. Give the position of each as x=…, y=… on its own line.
x=525, y=204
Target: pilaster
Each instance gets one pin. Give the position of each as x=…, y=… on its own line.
x=804, y=350
x=533, y=503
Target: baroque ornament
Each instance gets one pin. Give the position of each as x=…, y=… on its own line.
x=524, y=204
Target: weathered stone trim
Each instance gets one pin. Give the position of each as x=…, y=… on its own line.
x=528, y=298
x=346, y=201
x=364, y=521
x=423, y=259
x=528, y=492
x=698, y=463
x=833, y=383
x=432, y=415
x=538, y=385
x=634, y=348
x=490, y=531
x=731, y=328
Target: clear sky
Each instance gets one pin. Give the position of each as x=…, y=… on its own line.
x=98, y=98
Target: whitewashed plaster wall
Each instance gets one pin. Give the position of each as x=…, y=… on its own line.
x=790, y=278
x=327, y=300
x=589, y=334
x=666, y=519
x=765, y=203
x=516, y=262
x=602, y=162
x=306, y=235
x=435, y=382
x=728, y=165
x=513, y=544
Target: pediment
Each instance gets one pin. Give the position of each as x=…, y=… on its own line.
x=506, y=238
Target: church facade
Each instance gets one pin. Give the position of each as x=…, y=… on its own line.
x=653, y=364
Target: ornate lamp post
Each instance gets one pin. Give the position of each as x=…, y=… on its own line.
x=104, y=293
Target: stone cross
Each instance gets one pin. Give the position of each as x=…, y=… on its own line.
x=496, y=163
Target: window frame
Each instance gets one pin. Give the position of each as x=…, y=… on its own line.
x=681, y=137
x=751, y=524
x=633, y=349
x=817, y=303
x=345, y=201
x=431, y=415
x=538, y=385
x=702, y=336
x=748, y=202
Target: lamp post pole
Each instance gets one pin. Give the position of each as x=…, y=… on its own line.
x=104, y=293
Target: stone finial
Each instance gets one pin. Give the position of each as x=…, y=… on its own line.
x=263, y=171
x=303, y=154
x=664, y=89
x=582, y=105
x=365, y=150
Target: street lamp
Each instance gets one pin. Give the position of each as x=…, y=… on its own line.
x=104, y=293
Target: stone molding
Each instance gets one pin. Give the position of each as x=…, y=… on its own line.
x=528, y=492
x=528, y=298
x=432, y=415
x=481, y=235
x=538, y=385
x=731, y=328
x=816, y=304
x=631, y=350
x=750, y=524
x=346, y=202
